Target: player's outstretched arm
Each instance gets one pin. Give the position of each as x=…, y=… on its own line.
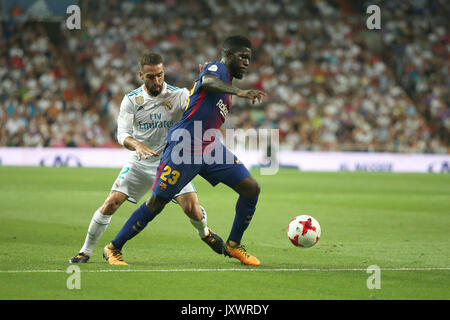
x=213, y=84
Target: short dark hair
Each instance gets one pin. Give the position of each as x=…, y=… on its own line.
x=149, y=58
x=235, y=43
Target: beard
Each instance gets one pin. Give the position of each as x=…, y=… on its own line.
x=236, y=72
x=155, y=90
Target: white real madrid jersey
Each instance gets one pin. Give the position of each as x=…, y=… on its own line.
x=148, y=119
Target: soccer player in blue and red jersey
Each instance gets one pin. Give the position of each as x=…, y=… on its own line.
x=188, y=140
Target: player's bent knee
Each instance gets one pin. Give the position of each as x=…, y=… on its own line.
x=110, y=208
x=255, y=190
x=193, y=211
x=189, y=204
x=188, y=208
x=248, y=188
x=112, y=203
x=155, y=204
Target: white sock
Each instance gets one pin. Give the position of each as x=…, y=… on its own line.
x=97, y=227
x=202, y=225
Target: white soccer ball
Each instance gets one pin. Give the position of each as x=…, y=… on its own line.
x=304, y=231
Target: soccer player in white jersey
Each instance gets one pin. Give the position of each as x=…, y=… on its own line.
x=146, y=115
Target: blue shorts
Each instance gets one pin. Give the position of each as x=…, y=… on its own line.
x=172, y=176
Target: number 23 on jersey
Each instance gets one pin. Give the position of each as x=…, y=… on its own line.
x=169, y=175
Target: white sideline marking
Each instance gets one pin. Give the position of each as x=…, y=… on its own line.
x=229, y=269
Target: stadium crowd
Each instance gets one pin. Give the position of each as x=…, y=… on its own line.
x=419, y=37
x=39, y=103
x=328, y=89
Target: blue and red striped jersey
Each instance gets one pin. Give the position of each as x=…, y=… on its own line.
x=206, y=108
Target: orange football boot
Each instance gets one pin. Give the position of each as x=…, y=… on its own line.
x=113, y=255
x=239, y=252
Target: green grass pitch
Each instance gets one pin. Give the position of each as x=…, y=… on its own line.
x=399, y=222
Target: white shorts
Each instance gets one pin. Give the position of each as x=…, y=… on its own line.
x=135, y=180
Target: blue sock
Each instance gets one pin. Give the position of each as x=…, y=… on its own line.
x=135, y=224
x=245, y=208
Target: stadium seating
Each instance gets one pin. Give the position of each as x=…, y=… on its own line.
x=329, y=87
